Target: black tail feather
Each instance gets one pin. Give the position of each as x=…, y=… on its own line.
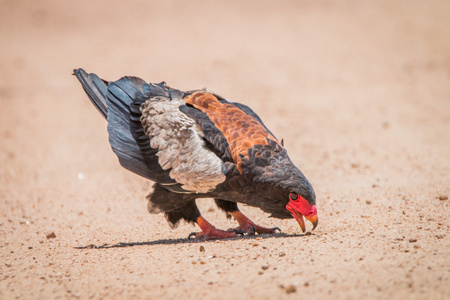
x=95, y=88
x=119, y=102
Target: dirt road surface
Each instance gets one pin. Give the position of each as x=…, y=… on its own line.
x=359, y=90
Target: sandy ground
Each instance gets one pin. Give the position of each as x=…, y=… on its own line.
x=359, y=90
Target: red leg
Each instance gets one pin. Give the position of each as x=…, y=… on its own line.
x=210, y=232
x=247, y=225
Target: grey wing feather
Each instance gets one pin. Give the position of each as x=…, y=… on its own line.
x=121, y=95
x=181, y=148
x=151, y=136
x=113, y=101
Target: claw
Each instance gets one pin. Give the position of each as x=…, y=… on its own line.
x=253, y=230
x=237, y=231
x=196, y=235
x=192, y=234
x=241, y=232
x=276, y=228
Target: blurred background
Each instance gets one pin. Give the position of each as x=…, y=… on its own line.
x=355, y=67
x=359, y=90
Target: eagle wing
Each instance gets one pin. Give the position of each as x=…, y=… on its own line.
x=186, y=141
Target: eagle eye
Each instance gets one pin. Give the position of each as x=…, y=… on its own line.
x=293, y=196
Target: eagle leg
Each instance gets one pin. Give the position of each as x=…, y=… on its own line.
x=245, y=224
x=210, y=232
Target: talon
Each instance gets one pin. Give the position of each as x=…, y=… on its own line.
x=241, y=232
x=192, y=234
x=276, y=228
x=238, y=231
x=253, y=230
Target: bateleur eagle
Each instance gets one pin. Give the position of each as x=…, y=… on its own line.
x=196, y=144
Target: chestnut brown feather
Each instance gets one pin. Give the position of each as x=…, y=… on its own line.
x=242, y=131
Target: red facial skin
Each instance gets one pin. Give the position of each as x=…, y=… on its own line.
x=299, y=208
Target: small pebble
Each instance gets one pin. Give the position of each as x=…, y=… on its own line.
x=291, y=289
x=368, y=202
x=51, y=235
x=202, y=249
x=443, y=197
x=281, y=254
x=412, y=240
x=264, y=267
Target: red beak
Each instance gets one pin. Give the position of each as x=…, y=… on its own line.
x=299, y=208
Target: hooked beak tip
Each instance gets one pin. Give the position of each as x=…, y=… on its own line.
x=314, y=220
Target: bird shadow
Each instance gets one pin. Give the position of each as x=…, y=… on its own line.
x=188, y=241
